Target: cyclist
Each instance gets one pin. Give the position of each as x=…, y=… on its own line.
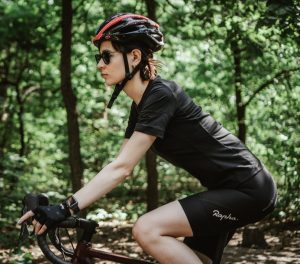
x=164, y=118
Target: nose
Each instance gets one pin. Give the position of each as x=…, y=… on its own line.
x=100, y=64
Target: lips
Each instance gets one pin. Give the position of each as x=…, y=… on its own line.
x=104, y=75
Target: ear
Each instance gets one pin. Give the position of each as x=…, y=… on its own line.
x=136, y=56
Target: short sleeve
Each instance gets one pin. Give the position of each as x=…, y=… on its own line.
x=156, y=111
x=131, y=121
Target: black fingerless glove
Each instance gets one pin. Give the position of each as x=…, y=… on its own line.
x=51, y=214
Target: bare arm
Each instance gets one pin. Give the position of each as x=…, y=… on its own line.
x=109, y=177
x=123, y=145
x=114, y=173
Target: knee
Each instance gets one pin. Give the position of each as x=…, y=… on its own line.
x=144, y=232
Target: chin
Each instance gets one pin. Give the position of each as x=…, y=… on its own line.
x=111, y=83
x=108, y=82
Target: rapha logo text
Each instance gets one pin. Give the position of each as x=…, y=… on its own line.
x=217, y=214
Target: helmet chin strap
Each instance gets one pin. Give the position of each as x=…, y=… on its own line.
x=128, y=76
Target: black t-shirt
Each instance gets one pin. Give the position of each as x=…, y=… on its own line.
x=190, y=138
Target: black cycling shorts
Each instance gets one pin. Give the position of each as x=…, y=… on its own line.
x=214, y=212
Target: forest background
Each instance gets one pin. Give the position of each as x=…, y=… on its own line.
x=239, y=60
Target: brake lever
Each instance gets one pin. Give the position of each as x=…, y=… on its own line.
x=24, y=233
x=30, y=202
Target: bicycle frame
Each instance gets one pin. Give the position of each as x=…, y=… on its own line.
x=85, y=253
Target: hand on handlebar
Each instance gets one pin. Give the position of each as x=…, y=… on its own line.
x=46, y=216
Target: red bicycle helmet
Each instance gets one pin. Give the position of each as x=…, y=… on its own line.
x=126, y=27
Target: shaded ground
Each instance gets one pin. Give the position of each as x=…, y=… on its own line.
x=284, y=247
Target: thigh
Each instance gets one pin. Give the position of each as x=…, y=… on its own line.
x=213, y=212
x=167, y=220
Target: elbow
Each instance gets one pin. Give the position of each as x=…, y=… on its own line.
x=126, y=173
x=122, y=170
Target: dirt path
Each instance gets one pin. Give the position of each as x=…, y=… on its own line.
x=284, y=247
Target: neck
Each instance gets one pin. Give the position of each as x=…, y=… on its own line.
x=135, y=88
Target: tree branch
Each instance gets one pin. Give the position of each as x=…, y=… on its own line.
x=272, y=80
x=28, y=91
x=172, y=5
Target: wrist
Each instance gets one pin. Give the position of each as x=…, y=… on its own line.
x=72, y=205
x=64, y=206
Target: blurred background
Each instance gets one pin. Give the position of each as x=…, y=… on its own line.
x=239, y=60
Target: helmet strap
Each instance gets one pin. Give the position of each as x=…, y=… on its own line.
x=128, y=76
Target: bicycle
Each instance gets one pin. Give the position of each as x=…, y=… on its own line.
x=60, y=249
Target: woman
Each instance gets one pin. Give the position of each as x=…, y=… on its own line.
x=240, y=190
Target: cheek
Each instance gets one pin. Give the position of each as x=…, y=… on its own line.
x=119, y=70
x=115, y=75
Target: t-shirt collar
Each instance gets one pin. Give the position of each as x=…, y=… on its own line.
x=146, y=92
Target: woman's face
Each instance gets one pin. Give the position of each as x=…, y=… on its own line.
x=113, y=72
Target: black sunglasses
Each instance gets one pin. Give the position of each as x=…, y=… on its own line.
x=105, y=56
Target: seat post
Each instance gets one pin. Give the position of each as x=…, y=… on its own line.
x=220, y=247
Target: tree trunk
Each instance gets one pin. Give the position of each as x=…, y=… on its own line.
x=251, y=236
x=69, y=98
x=151, y=9
x=4, y=118
x=152, y=174
x=21, y=121
x=240, y=107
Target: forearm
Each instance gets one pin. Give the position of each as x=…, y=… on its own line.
x=106, y=180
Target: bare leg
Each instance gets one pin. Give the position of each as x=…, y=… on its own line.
x=205, y=259
x=156, y=233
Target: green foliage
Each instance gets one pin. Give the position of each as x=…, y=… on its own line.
x=20, y=256
x=198, y=54
x=285, y=15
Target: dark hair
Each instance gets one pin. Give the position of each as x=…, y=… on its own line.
x=147, y=64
